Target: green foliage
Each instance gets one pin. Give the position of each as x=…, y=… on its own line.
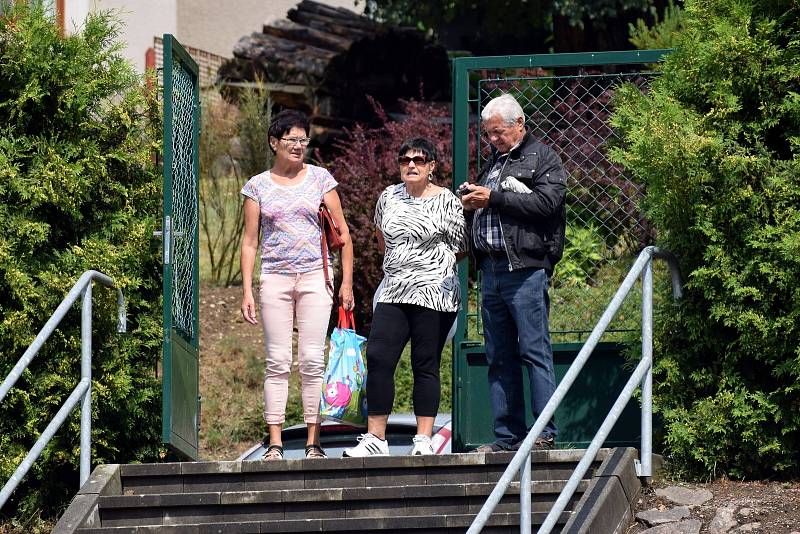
x=78, y=191
x=583, y=253
x=662, y=34
x=579, y=11
x=232, y=142
x=716, y=142
x=500, y=17
x=515, y=26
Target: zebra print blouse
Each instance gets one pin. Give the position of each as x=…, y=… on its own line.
x=422, y=238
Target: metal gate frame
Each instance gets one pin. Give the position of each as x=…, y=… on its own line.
x=180, y=366
x=467, y=351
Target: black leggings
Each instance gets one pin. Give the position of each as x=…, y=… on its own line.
x=393, y=325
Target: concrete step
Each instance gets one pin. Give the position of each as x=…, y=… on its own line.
x=192, y=477
x=334, y=503
x=415, y=494
x=505, y=523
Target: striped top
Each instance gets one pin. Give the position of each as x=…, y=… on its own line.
x=422, y=237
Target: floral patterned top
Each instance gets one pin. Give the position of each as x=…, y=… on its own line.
x=289, y=223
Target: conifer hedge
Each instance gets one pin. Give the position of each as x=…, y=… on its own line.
x=78, y=190
x=717, y=143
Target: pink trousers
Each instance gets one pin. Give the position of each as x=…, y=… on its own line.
x=285, y=298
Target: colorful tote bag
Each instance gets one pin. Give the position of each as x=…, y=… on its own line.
x=344, y=389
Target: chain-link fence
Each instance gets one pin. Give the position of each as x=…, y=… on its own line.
x=184, y=200
x=605, y=229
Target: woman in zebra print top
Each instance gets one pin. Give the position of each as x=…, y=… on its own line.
x=420, y=229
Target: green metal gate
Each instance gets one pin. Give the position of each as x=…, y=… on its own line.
x=566, y=99
x=181, y=400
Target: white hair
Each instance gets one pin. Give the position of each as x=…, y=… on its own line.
x=504, y=105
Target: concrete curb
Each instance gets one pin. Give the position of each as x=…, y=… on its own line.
x=82, y=511
x=607, y=505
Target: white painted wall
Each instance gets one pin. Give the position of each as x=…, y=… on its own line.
x=142, y=20
x=211, y=25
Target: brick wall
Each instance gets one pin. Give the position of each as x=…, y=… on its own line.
x=209, y=63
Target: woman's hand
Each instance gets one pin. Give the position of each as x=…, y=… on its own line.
x=249, y=308
x=346, y=297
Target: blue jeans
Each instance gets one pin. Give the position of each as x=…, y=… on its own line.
x=516, y=332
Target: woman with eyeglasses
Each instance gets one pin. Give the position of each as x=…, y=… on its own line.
x=282, y=204
x=420, y=229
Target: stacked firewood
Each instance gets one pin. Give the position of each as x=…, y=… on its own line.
x=327, y=60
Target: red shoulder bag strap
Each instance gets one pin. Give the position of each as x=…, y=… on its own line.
x=324, y=246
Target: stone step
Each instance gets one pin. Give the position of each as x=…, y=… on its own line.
x=199, y=477
x=333, y=503
x=504, y=523
x=416, y=494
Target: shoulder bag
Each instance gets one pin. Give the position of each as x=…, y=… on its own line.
x=330, y=239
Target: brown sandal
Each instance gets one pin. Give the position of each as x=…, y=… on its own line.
x=315, y=451
x=273, y=452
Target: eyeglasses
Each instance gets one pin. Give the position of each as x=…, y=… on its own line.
x=295, y=140
x=418, y=160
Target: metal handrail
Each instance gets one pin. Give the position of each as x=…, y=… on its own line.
x=82, y=392
x=642, y=375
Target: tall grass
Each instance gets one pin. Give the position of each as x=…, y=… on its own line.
x=233, y=147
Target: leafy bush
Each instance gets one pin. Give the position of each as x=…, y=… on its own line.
x=78, y=190
x=365, y=165
x=584, y=252
x=716, y=142
x=664, y=33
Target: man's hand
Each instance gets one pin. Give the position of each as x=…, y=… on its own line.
x=478, y=197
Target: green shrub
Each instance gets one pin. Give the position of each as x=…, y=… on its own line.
x=583, y=253
x=716, y=142
x=78, y=191
x=664, y=33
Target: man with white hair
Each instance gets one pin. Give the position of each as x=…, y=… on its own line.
x=517, y=219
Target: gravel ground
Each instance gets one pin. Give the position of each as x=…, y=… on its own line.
x=762, y=507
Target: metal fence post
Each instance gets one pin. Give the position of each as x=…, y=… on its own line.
x=86, y=374
x=646, y=449
x=525, y=496
x=82, y=394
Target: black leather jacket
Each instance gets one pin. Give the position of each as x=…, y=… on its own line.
x=533, y=223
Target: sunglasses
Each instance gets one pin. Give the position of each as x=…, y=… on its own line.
x=418, y=160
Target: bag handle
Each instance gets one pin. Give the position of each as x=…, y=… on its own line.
x=346, y=319
x=323, y=241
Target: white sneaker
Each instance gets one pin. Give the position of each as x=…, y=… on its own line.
x=422, y=445
x=368, y=445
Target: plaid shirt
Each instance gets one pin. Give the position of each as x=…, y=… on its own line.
x=486, y=231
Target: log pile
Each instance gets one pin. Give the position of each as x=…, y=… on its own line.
x=326, y=60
